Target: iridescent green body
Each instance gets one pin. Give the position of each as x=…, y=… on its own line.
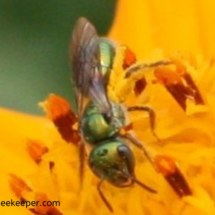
x=100, y=120
x=107, y=54
x=113, y=161
x=95, y=127
x=110, y=159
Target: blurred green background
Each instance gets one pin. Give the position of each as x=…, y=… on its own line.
x=34, y=38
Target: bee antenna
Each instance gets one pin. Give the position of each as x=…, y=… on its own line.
x=134, y=179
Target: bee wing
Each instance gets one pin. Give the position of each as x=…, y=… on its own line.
x=98, y=94
x=85, y=57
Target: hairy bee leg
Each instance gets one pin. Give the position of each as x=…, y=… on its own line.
x=82, y=154
x=143, y=66
x=152, y=117
x=103, y=197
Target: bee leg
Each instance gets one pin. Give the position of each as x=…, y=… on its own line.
x=103, y=197
x=141, y=66
x=82, y=154
x=152, y=117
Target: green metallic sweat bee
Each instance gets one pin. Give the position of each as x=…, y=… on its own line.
x=100, y=119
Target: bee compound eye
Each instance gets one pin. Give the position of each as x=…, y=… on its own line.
x=123, y=150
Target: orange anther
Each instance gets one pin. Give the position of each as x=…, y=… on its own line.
x=129, y=59
x=55, y=106
x=165, y=165
x=36, y=149
x=166, y=76
x=18, y=185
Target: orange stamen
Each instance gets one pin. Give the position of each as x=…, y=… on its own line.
x=59, y=111
x=55, y=106
x=169, y=169
x=165, y=165
x=18, y=186
x=129, y=58
x=36, y=150
x=179, y=83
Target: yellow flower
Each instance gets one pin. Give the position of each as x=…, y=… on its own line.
x=172, y=26
x=37, y=163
